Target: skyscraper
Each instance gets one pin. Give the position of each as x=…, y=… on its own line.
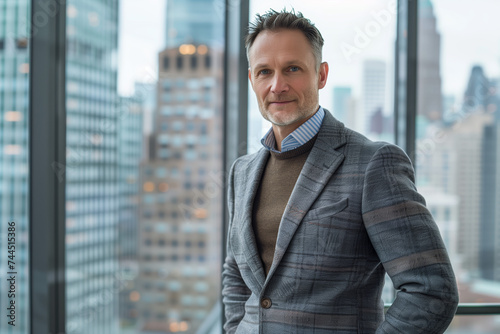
x=429, y=95
x=130, y=152
x=478, y=94
x=342, y=105
x=181, y=212
x=180, y=228
x=489, y=252
x=92, y=170
x=14, y=154
x=460, y=159
x=374, y=90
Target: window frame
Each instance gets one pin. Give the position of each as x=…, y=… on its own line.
x=47, y=163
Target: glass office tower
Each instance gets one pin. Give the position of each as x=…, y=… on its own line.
x=92, y=170
x=180, y=226
x=130, y=150
x=181, y=212
x=14, y=163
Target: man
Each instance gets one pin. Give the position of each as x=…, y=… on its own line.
x=320, y=214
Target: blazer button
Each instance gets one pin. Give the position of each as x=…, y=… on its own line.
x=265, y=303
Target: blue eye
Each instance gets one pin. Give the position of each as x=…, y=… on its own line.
x=294, y=68
x=264, y=72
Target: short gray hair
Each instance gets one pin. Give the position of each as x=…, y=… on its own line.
x=273, y=21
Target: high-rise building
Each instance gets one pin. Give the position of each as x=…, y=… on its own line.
x=489, y=223
x=146, y=93
x=480, y=91
x=450, y=165
x=444, y=209
x=374, y=90
x=195, y=22
x=181, y=212
x=489, y=253
x=92, y=170
x=14, y=163
x=459, y=158
x=130, y=142
x=343, y=105
x=381, y=125
x=429, y=95
x=180, y=228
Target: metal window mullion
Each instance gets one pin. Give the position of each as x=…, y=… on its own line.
x=235, y=109
x=47, y=167
x=478, y=309
x=405, y=97
x=411, y=78
x=472, y=309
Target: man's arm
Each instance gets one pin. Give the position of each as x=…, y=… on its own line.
x=409, y=246
x=234, y=290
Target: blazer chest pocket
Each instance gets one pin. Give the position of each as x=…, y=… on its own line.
x=326, y=211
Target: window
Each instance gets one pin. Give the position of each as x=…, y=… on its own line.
x=458, y=144
x=180, y=62
x=22, y=43
x=166, y=63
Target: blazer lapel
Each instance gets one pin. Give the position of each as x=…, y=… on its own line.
x=252, y=175
x=319, y=167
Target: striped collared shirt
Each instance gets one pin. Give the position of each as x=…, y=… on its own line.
x=298, y=137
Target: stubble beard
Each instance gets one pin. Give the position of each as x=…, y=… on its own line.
x=301, y=113
x=288, y=119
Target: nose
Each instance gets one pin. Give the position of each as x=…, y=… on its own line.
x=279, y=84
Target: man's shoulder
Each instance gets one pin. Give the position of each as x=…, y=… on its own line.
x=248, y=160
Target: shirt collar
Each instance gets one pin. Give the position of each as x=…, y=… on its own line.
x=298, y=137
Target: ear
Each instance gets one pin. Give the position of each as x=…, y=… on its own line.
x=250, y=75
x=322, y=74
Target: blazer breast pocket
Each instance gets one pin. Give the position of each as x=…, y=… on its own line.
x=326, y=211
x=328, y=238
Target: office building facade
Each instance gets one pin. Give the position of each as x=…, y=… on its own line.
x=92, y=168
x=14, y=160
x=429, y=93
x=181, y=214
x=374, y=91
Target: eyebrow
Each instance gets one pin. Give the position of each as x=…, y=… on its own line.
x=288, y=63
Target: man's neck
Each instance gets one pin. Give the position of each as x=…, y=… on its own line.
x=282, y=131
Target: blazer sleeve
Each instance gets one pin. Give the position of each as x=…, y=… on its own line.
x=409, y=245
x=234, y=290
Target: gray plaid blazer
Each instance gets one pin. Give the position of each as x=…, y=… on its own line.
x=353, y=215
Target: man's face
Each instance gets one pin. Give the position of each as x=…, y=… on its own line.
x=284, y=77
